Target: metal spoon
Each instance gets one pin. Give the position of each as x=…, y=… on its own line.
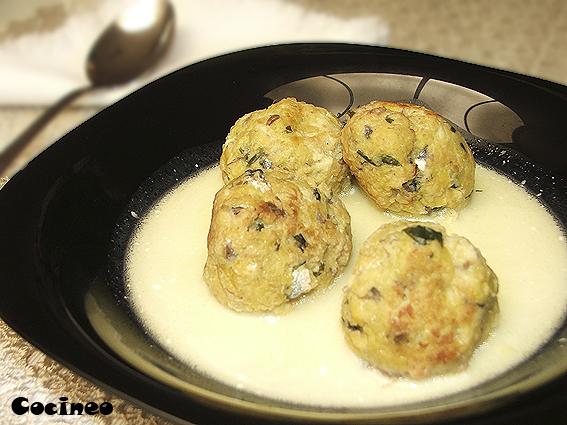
x=126, y=48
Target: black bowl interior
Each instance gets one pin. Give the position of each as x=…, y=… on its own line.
x=66, y=218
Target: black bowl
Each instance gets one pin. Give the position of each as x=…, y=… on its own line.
x=65, y=219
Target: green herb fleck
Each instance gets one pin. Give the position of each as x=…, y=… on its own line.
x=352, y=327
x=257, y=156
x=423, y=235
x=320, y=269
x=288, y=129
x=298, y=265
x=245, y=154
x=301, y=242
x=254, y=158
x=412, y=185
x=373, y=294
x=257, y=225
x=250, y=173
x=453, y=129
x=390, y=160
x=389, y=120
x=366, y=158
x=432, y=210
x=316, y=194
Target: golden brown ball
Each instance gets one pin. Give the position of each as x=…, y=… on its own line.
x=407, y=158
x=294, y=137
x=419, y=301
x=272, y=240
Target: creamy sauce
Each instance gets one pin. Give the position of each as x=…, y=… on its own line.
x=302, y=356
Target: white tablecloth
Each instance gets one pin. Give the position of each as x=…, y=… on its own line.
x=38, y=68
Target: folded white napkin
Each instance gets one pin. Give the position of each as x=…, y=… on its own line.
x=39, y=68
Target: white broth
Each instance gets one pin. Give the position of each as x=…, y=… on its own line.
x=302, y=356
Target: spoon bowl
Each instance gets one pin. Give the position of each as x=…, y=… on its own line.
x=132, y=43
x=124, y=50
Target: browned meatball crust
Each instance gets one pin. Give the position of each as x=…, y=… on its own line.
x=290, y=136
x=407, y=158
x=419, y=301
x=272, y=240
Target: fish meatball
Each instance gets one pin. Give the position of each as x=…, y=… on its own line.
x=419, y=301
x=272, y=240
x=407, y=158
x=294, y=137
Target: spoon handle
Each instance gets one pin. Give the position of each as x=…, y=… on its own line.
x=18, y=144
